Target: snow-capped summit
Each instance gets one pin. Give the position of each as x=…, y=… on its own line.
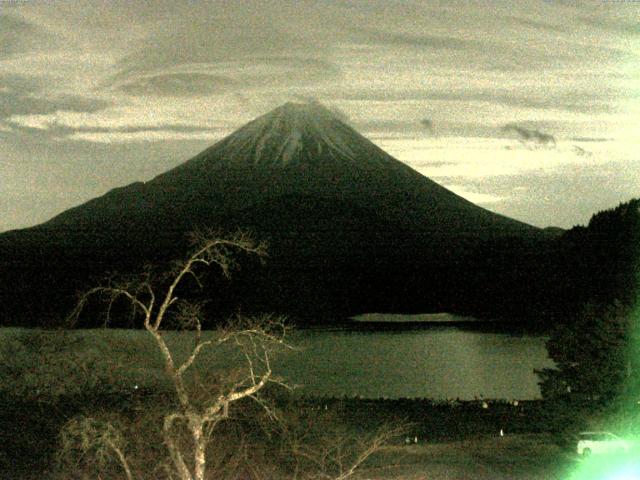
x=280, y=136
x=293, y=133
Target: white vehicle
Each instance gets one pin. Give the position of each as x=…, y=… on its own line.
x=600, y=442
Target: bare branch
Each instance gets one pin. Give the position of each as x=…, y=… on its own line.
x=374, y=444
x=174, y=450
x=113, y=293
x=208, y=251
x=101, y=437
x=194, y=354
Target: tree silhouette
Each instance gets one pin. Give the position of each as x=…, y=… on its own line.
x=597, y=365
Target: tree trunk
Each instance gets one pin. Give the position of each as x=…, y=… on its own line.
x=199, y=450
x=174, y=451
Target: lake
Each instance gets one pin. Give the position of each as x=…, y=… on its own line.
x=445, y=360
x=436, y=362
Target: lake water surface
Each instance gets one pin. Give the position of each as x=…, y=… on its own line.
x=433, y=362
x=443, y=361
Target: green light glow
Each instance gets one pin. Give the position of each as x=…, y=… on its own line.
x=624, y=420
x=607, y=467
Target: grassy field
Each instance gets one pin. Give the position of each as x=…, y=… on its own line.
x=28, y=443
x=512, y=457
x=82, y=359
x=48, y=378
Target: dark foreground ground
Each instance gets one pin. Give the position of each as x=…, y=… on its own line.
x=456, y=440
x=482, y=457
x=461, y=440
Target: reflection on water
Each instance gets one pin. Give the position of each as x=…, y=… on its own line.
x=437, y=363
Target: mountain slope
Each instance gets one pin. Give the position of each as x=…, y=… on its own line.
x=350, y=228
x=298, y=149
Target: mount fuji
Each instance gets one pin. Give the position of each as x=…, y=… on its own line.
x=350, y=228
x=296, y=149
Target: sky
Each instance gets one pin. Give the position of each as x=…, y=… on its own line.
x=530, y=108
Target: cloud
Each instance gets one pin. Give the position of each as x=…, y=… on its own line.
x=143, y=136
x=530, y=135
x=235, y=76
x=590, y=139
x=77, y=126
x=537, y=25
x=581, y=151
x=11, y=105
x=622, y=25
x=338, y=112
x=573, y=101
x=19, y=36
x=211, y=38
x=240, y=46
x=283, y=70
x=65, y=123
x=474, y=196
x=559, y=196
x=404, y=39
x=178, y=84
x=178, y=69
x=23, y=95
x=117, y=118
x=453, y=160
x=427, y=124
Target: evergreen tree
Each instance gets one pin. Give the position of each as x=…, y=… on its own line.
x=596, y=350
x=597, y=366
x=591, y=355
x=600, y=262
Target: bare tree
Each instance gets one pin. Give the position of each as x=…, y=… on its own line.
x=321, y=446
x=97, y=437
x=256, y=339
x=187, y=423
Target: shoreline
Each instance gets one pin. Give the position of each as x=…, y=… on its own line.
x=437, y=318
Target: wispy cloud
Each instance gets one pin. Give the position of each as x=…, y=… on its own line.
x=160, y=135
x=20, y=36
x=473, y=195
x=450, y=159
x=427, y=124
x=229, y=75
x=338, y=112
x=229, y=34
x=475, y=91
x=123, y=117
x=558, y=196
x=405, y=39
x=537, y=25
x=622, y=24
x=22, y=95
x=530, y=136
x=178, y=84
x=119, y=125
x=581, y=151
x=590, y=139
